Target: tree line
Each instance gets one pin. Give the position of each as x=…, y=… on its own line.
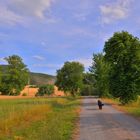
x=114, y=73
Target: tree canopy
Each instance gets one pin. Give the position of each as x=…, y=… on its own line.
x=15, y=77
x=122, y=52
x=100, y=71
x=70, y=77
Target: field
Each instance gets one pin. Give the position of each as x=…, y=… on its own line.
x=38, y=118
x=132, y=108
x=30, y=93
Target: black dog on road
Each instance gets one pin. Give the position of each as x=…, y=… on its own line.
x=100, y=104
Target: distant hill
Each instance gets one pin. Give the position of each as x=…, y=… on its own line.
x=36, y=78
x=41, y=79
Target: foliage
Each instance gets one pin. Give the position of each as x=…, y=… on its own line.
x=88, y=79
x=88, y=84
x=100, y=70
x=87, y=90
x=0, y=76
x=16, y=76
x=122, y=52
x=45, y=90
x=70, y=77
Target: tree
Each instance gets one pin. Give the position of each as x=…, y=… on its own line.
x=88, y=84
x=69, y=77
x=45, y=90
x=16, y=76
x=89, y=79
x=122, y=51
x=0, y=77
x=100, y=69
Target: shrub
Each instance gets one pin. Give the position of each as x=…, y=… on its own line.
x=45, y=90
x=24, y=94
x=33, y=86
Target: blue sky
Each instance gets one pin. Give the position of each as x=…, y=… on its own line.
x=47, y=33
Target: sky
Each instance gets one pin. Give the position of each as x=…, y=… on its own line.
x=47, y=33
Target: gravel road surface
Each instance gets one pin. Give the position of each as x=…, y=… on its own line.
x=106, y=124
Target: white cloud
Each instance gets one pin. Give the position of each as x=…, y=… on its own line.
x=83, y=9
x=39, y=57
x=52, y=20
x=30, y=7
x=79, y=31
x=23, y=11
x=9, y=17
x=115, y=11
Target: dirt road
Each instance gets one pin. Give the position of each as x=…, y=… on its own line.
x=106, y=124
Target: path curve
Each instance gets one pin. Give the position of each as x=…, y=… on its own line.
x=106, y=124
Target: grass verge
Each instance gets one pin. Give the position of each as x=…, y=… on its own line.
x=38, y=119
x=132, y=108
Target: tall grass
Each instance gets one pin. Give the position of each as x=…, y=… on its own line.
x=38, y=119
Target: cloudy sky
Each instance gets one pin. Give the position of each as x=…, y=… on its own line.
x=47, y=33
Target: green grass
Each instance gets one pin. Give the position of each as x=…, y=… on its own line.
x=38, y=118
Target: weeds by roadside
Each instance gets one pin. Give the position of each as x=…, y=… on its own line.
x=132, y=108
x=38, y=119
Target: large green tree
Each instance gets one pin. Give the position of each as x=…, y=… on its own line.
x=15, y=77
x=100, y=69
x=122, y=51
x=0, y=77
x=70, y=77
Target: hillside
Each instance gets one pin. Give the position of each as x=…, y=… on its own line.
x=41, y=79
x=36, y=78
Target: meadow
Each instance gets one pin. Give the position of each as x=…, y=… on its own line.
x=38, y=118
x=131, y=108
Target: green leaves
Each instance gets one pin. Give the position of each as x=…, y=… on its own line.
x=117, y=72
x=15, y=77
x=122, y=52
x=45, y=90
x=69, y=77
x=100, y=69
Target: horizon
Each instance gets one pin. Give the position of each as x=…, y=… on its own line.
x=47, y=33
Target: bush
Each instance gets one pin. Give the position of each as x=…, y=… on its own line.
x=24, y=94
x=45, y=90
x=33, y=86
